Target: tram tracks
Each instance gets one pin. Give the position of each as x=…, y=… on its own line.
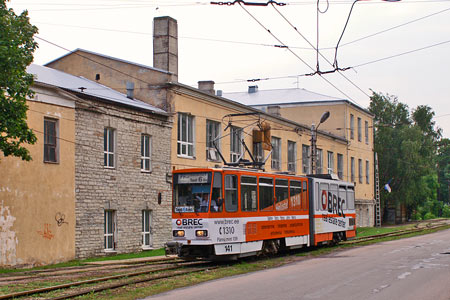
x=95, y=285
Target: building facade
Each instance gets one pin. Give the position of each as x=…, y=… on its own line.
x=37, y=198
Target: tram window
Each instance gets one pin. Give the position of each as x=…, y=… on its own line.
x=350, y=198
x=248, y=193
x=265, y=194
x=281, y=194
x=216, y=196
x=322, y=201
x=231, y=199
x=343, y=196
x=296, y=195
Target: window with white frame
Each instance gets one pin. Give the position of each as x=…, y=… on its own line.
x=330, y=169
x=292, y=156
x=147, y=240
x=359, y=130
x=185, y=140
x=50, y=140
x=306, y=166
x=212, y=133
x=110, y=230
x=235, y=143
x=340, y=166
x=352, y=169
x=146, y=153
x=319, y=161
x=276, y=153
x=258, y=152
x=352, y=126
x=366, y=131
x=109, y=147
x=360, y=171
x=367, y=172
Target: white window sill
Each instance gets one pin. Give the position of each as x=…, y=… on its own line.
x=187, y=157
x=110, y=251
x=147, y=248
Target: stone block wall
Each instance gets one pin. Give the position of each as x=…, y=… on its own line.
x=124, y=188
x=365, y=213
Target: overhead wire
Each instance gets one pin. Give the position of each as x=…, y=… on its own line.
x=318, y=52
x=295, y=54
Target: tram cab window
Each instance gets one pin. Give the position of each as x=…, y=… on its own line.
x=216, y=196
x=350, y=197
x=248, y=193
x=231, y=193
x=281, y=194
x=295, y=195
x=343, y=196
x=265, y=194
x=190, y=191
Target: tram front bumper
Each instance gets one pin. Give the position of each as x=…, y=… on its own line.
x=172, y=248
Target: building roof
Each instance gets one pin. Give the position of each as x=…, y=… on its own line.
x=108, y=57
x=279, y=97
x=85, y=86
x=283, y=97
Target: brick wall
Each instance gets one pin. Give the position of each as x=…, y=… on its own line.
x=124, y=188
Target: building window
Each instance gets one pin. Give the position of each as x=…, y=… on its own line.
x=276, y=153
x=319, y=161
x=340, y=166
x=235, y=143
x=367, y=172
x=359, y=130
x=212, y=133
x=146, y=152
x=50, y=140
x=292, y=156
x=147, y=241
x=352, y=170
x=306, y=166
x=360, y=171
x=352, y=126
x=366, y=131
x=108, y=147
x=185, y=146
x=330, y=162
x=258, y=152
x=110, y=230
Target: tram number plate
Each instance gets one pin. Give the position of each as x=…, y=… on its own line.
x=222, y=249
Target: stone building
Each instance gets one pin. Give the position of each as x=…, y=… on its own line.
x=201, y=114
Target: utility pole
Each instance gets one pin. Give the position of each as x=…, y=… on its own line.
x=323, y=118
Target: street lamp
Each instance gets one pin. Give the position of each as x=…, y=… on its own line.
x=314, y=129
x=335, y=64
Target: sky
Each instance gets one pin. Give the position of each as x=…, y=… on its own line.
x=395, y=48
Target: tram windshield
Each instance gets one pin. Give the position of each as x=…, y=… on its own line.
x=191, y=192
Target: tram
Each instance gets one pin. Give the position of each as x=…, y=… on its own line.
x=229, y=213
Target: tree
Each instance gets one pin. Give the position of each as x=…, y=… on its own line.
x=16, y=53
x=406, y=147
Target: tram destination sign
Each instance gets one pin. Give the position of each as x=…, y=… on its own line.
x=193, y=178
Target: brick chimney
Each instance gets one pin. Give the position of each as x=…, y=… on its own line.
x=165, y=44
x=207, y=86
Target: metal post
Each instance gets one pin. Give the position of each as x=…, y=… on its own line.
x=313, y=149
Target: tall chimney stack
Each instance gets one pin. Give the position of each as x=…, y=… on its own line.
x=165, y=44
x=207, y=86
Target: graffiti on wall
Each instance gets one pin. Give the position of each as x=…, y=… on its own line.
x=47, y=232
x=8, y=239
x=60, y=219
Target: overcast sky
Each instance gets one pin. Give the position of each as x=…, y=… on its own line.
x=228, y=45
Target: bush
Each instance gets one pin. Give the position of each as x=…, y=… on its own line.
x=429, y=216
x=446, y=211
x=416, y=216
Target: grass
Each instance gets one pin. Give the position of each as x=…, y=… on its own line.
x=368, y=231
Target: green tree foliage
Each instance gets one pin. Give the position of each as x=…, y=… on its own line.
x=443, y=163
x=406, y=147
x=16, y=53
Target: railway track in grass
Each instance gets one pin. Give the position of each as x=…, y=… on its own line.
x=98, y=284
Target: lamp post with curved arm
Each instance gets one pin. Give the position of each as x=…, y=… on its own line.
x=314, y=129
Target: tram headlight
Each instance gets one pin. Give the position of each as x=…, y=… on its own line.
x=201, y=233
x=178, y=233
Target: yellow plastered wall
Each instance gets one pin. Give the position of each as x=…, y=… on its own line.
x=37, y=199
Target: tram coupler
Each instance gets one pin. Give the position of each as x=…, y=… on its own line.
x=172, y=248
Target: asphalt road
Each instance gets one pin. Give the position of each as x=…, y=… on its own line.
x=412, y=268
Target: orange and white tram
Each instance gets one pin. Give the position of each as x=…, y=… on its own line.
x=232, y=212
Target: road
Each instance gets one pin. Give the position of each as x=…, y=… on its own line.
x=412, y=268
